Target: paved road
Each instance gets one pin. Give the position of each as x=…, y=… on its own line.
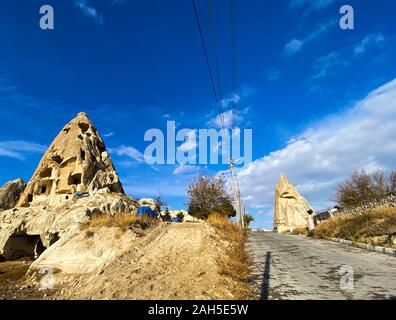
x=300, y=268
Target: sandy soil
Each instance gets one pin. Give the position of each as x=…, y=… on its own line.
x=11, y=282
x=173, y=261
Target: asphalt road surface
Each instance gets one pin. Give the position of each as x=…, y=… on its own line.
x=301, y=268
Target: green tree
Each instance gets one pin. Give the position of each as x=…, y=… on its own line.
x=180, y=215
x=247, y=218
x=207, y=195
x=159, y=204
x=166, y=217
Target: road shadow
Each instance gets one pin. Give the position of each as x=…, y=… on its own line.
x=266, y=277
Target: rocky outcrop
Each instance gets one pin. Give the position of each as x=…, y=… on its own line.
x=10, y=193
x=76, y=161
x=291, y=209
x=74, y=180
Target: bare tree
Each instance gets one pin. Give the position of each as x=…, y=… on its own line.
x=362, y=187
x=159, y=204
x=209, y=195
x=392, y=178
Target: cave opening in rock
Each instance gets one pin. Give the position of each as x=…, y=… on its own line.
x=46, y=173
x=84, y=127
x=82, y=155
x=23, y=246
x=57, y=159
x=75, y=179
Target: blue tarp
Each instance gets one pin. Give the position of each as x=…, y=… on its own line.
x=176, y=220
x=147, y=211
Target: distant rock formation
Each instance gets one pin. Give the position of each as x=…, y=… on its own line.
x=175, y=213
x=74, y=180
x=10, y=193
x=291, y=209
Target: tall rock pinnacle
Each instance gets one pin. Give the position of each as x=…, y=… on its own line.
x=76, y=161
x=291, y=209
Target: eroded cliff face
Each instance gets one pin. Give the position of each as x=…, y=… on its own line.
x=76, y=161
x=74, y=180
x=291, y=209
x=10, y=193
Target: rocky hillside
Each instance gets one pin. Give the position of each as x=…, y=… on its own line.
x=165, y=261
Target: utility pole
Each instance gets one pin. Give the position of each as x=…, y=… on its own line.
x=237, y=194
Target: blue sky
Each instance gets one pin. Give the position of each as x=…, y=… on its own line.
x=320, y=100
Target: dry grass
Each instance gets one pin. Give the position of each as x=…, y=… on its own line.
x=123, y=221
x=366, y=227
x=299, y=231
x=235, y=261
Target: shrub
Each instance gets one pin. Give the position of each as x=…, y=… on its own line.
x=207, y=195
x=123, y=221
x=362, y=187
x=248, y=219
x=180, y=215
x=361, y=227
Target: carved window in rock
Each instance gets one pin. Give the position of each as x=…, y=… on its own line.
x=46, y=173
x=84, y=127
x=75, y=179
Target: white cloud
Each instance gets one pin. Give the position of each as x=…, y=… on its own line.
x=19, y=149
x=186, y=170
x=273, y=74
x=128, y=151
x=234, y=99
x=89, y=11
x=107, y=135
x=231, y=118
x=324, y=65
x=296, y=45
x=190, y=142
x=6, y=87
x=374, y=39
x=322, y=156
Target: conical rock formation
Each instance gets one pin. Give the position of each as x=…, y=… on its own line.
x=74, y=180
x=76, y=161
x=291, y=209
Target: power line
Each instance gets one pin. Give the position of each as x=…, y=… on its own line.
x=217, y=64
x=235, y=185
x=205, y=52
x=233, y=48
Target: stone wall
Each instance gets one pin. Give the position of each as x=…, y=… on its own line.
x=389, y=201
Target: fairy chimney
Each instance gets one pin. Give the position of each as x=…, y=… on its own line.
x=291, y=209
x=76, y=161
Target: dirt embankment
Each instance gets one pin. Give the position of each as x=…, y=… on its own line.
x=374, y=226
x=195, y=261
x=177, y=261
